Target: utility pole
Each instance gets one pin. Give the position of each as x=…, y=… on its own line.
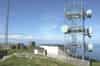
x=7, y=22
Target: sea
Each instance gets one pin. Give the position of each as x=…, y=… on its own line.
x=95, y=54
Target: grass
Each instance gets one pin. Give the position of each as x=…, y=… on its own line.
x=96, y=63
x=35, y=61
x=11, y=51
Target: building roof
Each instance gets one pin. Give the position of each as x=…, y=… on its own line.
x=37, y=47
x=60, y=45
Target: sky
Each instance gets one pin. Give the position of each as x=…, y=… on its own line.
x=41, y=20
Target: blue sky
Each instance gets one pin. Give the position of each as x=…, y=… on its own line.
x=42, y=19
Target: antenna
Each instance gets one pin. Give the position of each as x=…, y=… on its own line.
x=7, y=22
x=75, y=16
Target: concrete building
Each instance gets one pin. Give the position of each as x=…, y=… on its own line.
x=39, y=51
x=54, y=50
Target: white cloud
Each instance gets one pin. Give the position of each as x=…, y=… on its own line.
x=17, y=36
x=52, y=37
x=30, y=37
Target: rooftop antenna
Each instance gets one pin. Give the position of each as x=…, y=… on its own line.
x=75, y=16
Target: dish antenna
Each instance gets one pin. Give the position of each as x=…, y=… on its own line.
x=90, y=47
x=89, y=13
x=64, y=28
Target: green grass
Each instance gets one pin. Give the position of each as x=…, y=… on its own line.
x=36, y=61
x=96, y=64
x=11, y=51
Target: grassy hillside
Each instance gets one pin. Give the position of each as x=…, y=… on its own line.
x=96, y=64
x=35, y=61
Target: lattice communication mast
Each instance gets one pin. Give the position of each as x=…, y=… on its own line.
x=75, y=28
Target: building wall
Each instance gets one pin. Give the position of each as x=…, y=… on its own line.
x=52, y=51
x=61, y=52
x=58, y=52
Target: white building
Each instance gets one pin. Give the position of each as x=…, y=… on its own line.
x=39, y=50
x=53, y=50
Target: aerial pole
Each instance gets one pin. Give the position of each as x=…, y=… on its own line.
x=83, y=25
x=7, y=22
x=86, y=31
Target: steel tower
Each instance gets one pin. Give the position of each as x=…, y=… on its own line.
x=75, y=29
